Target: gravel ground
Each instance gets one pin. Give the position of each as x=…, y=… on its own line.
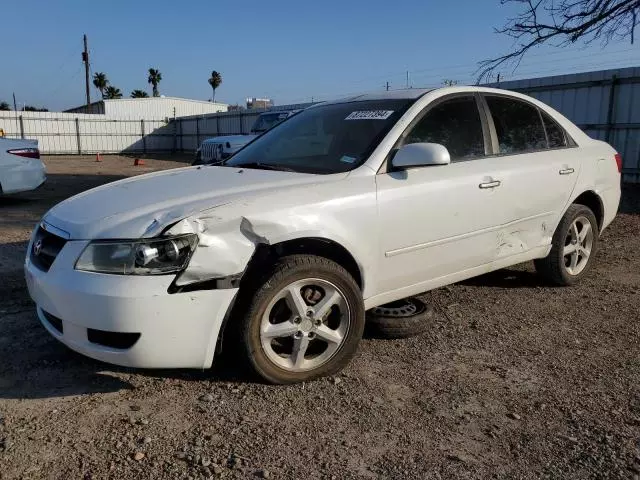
x=513, y=379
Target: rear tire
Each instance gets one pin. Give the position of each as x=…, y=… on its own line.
x=573, y=247
x=304, y=321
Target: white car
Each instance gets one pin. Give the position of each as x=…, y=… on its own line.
x=346, y=206
x=21, y=169
x=220, y=148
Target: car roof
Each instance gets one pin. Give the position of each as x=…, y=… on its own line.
x=406, y=93
x=415, y=93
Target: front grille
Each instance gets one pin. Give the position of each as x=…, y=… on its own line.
x=45, y=248
x=212, y=151
x=54, y=321
x=118, y=340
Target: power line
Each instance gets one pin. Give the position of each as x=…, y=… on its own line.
x=468, y=70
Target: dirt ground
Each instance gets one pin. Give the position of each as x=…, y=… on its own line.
x=513, y=379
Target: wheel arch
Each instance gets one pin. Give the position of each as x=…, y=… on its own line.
x=592, y=200
x=265, y=256
x=320, y=246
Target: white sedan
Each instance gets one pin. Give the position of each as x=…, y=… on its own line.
x=344, y=207
x=21, y=169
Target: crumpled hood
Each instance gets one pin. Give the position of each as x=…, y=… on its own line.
x=231, y=139
x=143, y=206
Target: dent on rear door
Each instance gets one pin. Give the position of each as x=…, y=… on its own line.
x=537, y=194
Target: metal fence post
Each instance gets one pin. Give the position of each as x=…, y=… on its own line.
x=144, y=139
x=241, y=123
x=78, y=136
x=21, y=127
x=611, y=107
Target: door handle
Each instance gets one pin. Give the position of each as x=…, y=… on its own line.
x=566, y=171
x=492, y=184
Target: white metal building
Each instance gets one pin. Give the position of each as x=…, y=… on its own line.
x=156, y=108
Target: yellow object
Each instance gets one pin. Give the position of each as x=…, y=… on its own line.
x=1, y=132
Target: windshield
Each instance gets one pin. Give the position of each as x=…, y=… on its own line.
x=265, y=121
x=325, y=139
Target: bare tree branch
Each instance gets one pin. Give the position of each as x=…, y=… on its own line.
x=567, y=21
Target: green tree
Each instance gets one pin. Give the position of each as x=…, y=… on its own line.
x=112, y=92
x=101, y=82
x=139, y=94
x=561, y=23
x=31, y=108
x=447, y=82
x=155, y=77
x=4, y=106
x=215, y=80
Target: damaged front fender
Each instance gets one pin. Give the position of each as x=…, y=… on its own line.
x=221, y=252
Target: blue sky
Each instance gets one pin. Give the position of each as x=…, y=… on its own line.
x=292, y=51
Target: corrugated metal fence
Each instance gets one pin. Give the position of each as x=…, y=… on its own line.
x=605, y=104
x=77, y=133
x=72, y=133
x=193, y=130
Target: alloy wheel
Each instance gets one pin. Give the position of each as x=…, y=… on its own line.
x=578, y=245
x=305, y=324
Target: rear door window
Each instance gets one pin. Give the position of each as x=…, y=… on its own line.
x=555, y=133
x=518, y=125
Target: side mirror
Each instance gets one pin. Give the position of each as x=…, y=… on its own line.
x=421, y=155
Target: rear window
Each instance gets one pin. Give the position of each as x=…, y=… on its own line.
x=518, y=125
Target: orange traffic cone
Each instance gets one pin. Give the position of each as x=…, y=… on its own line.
x=98, y=157
x=137, y=162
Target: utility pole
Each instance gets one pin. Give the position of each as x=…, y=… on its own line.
x=387, y=86
x=407, y=78
x=85, y=59
x=15, y=109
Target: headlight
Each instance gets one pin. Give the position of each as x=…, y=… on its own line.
x=154, y=256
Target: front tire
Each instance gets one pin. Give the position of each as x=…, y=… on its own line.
x=573, y=247
x=304, y=321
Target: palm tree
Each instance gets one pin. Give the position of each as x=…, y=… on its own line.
x=155, y=77
x=112, y=92
x=215, y=80
x=100, y=82
x=139, y=94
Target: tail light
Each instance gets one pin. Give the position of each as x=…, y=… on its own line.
x=25, y=152
x=618, y=158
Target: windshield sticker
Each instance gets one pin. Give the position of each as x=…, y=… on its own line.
x=370, y=115
x=347, y=159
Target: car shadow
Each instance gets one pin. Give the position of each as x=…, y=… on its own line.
x=630, y=200
x=506, y=278
x=40, y=367
x=35, y=365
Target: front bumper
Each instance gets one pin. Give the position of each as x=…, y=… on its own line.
x=175, y=330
